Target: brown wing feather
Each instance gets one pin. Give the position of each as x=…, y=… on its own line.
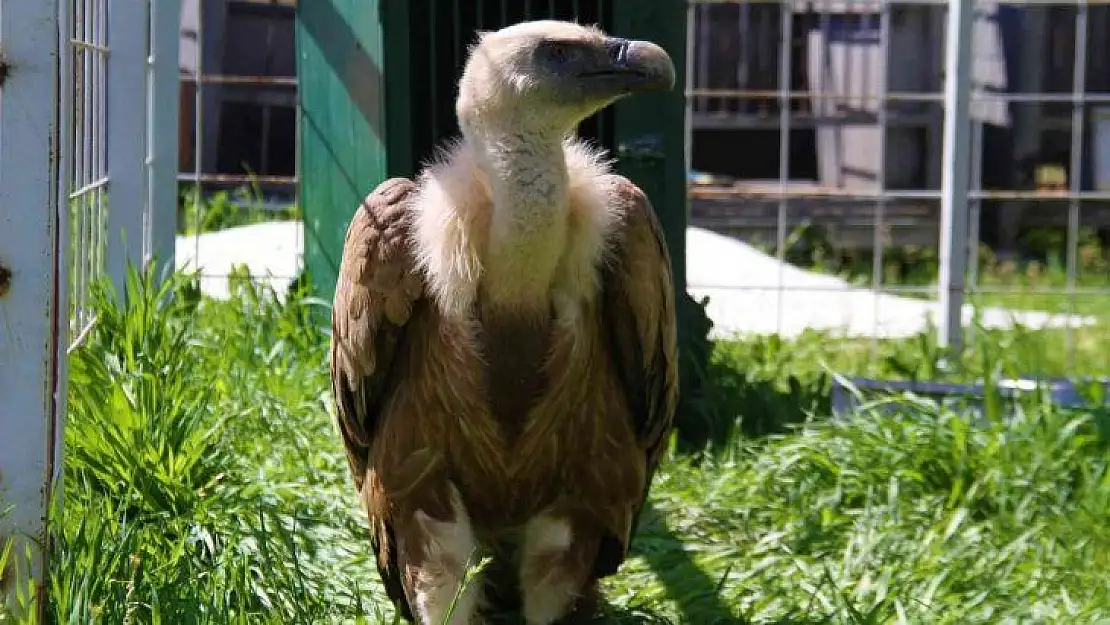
x=374, y=295
x=639, y=313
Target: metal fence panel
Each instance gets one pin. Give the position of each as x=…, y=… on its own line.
x=32, y=272
x=238, y=167
x=163, y=110
x=818, y=136
x=75, y=134
x=84, y=151
x=112, y=160
x=125, y=136
x=73, y=138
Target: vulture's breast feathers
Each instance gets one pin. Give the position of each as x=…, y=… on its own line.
x=453, y=215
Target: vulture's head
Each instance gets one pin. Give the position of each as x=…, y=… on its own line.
x=547, y=76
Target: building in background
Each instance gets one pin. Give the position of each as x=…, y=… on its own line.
x=240, y=54
x=841, y=66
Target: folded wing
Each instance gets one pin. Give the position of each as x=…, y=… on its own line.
x=374, y=297
x=639, y=312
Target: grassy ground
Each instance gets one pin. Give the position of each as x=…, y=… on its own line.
x=205, y=484
x=225, y=209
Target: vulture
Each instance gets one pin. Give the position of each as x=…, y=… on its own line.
x=503, y=340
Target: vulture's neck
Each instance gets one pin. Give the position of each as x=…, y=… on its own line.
x=529, y=186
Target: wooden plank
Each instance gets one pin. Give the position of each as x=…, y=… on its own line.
x=341, y=125
x=650, y=128
x=32, y=371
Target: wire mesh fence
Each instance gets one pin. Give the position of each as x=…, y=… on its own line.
x=818, y=151
x=87, y=50
x=113, y=162
x=82, y=171
x=238, y=143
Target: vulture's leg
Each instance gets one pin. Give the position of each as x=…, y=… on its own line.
x=555, y=568
x=434, y=553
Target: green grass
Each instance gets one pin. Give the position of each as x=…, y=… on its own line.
x=205, y=483
x=1040, y=263
x=224, y=209
x=885, y=519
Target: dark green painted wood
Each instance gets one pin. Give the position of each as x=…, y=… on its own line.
x=400, y=159
x=650, y=129
x=342, y=124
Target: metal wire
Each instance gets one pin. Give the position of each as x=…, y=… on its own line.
x=1079, y=72
x=801, y=190
x=87, y=177
x=198, y=133
x=786, y=48
x=895, y=96
x=879, y=238
x=867, y=5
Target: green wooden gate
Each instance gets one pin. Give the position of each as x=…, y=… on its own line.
x=342, y=124
x=377, y=81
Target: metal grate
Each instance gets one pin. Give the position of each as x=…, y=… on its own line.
x=839, y=109
x=88, y=52
x=239, y=140
x=75, y=160
x=440, y=33
x=239, y=82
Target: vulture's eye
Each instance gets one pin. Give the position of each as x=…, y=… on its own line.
x=560, y=52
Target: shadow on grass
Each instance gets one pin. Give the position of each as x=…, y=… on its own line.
x=743, y=404
x=697, y=595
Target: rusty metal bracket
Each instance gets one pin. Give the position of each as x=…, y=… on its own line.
x=5, y=67
x=5, y=280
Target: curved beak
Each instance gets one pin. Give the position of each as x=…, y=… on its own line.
x=633, y=66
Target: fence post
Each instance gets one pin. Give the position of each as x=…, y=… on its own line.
x=33, y=275
x=125, y=136
x=162, y=131
x=954, y=175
